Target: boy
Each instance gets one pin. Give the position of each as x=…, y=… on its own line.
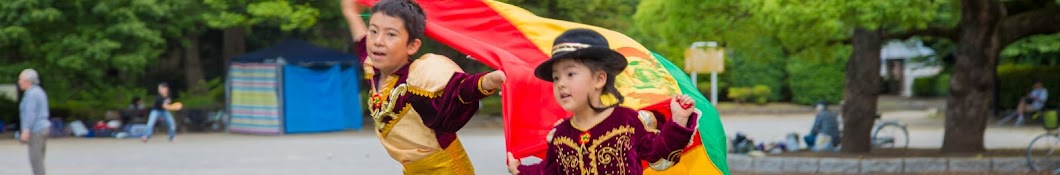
x=417, y=105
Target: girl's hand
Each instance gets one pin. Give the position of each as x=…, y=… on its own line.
x=681, y=107
x=513, y=164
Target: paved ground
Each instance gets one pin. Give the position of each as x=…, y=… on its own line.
x=925, y=129
x=361, y=153
x=229, y=154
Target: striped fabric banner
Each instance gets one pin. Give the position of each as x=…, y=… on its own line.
x=254, y=99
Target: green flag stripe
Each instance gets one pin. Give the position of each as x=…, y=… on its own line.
x=710, y=129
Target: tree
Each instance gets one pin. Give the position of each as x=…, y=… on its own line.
x=86, y=51
x=799, y=26
x=987, y=26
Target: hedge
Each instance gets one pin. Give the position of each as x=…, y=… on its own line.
x=1016, y=81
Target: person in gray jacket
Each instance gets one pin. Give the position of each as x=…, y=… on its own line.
x=825, y=123
x=34, y=115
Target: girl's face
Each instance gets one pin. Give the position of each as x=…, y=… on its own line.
x=575, y=84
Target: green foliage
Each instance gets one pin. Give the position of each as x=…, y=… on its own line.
x=237, y=13
x=1035, y=50
x=490, y=106
x=764, y=67
x=703, y=85
x=933, y=86
x=818, y=74
x=1018, y=80
x=213, y=98
x=757, y=94
x=760, y=94
x=92, y=103
x=740, y=94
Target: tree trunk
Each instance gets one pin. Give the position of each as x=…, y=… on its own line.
x=234, y=45
x=192, y=68
x=171, y=62
x=862, y=87
x=972, y=84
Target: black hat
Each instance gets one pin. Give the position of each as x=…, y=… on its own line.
x=582, y=44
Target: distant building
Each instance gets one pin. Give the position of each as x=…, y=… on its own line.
x=897, y=68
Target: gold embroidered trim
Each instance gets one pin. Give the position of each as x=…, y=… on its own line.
x=390, y=124
x=661, y=164
x=622, y=142
x=598, y=154
x=568, y=47
x=649, y=121
x=483, y=91
x=452, y=160
x=614, y=132
x=387, y=110
x=461, y=97
x=563, y=140
x=423, y=92
x=674, y=155
x=667, y=162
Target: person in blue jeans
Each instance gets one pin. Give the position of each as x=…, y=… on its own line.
x=163, y=104
x=826, y=122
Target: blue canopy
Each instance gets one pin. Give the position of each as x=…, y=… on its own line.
x=295, y=51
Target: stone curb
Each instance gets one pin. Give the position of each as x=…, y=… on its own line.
x=855, y=165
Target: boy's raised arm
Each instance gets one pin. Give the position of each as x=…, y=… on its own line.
x=352, y=11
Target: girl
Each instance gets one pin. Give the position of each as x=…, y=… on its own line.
x=602, y=137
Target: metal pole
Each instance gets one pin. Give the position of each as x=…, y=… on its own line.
x=694, y=80
x=714, y=88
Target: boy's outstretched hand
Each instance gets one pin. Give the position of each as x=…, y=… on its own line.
x=513, y=164
x=350, y=9
x=682, y=106
x=493, y=80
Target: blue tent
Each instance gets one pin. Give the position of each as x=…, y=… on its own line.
x=294, y=87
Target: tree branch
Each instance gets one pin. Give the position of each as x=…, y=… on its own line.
x=931, y=31
x=1039, y=21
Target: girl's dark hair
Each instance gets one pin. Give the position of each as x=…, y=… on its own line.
x=408, y=11
x=609, y=85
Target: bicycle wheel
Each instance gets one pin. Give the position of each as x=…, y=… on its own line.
x=1043, y=154
x=890, y=135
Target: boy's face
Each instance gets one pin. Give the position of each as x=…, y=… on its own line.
x=574, y=84
x=163, y=90
x=388, y=42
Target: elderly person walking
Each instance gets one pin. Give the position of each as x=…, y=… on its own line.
x=34, y=114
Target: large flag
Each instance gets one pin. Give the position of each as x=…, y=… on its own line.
x=512, y=39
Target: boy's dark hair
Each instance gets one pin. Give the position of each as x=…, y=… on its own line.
x=406, y=10
x=609, y=85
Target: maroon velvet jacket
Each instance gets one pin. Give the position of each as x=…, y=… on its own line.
x=615, y=146
x=444, y=112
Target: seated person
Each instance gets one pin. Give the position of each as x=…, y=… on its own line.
x=825, y=123
x=134, y=112
x=1033, y=102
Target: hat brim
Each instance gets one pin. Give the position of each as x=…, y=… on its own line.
x=613, y=61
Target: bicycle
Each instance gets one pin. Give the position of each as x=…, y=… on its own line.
x=888, y=134
x=1043, y=153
